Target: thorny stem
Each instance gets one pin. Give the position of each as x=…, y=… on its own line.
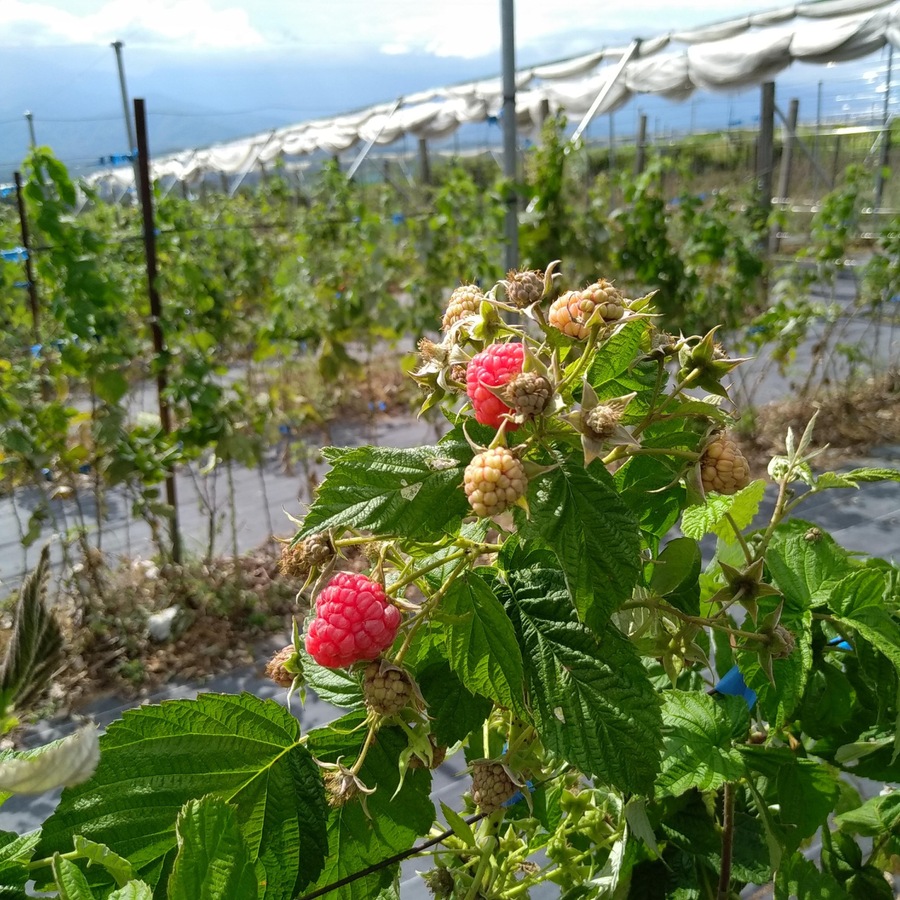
x=579, y=367
x=727, y=841
x=428, y=606
x=777, y=515
x=748, y=555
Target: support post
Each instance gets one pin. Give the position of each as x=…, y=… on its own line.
x=29, y=268
x=885, y=150
x=129, y=126
x=510, y=149
x=765, y=149
x=29, y=118
x=640, y=158
x=146, y=197
x=424, y=162
x=633, y=48
x=787, y=158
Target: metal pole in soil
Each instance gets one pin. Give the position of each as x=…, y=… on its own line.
x=29, y=269
x=129, y=126
x=765, y=149
x=510, y=150
x=884, y=154
x=29, y=118
x=146, y=197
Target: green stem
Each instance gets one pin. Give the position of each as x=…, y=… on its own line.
x=418, y=573
x=487, y=851
x=427, y=607
x=657, y=390
x=739, y=535
x=663, y=451
x=724, y=891
x=370, y=739
x=48, y=861
x=777, y=516
x=688, y=379
x=698, y=620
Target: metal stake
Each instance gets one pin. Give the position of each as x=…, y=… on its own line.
x=510, y=148
x=146, y=196
x=29, y=269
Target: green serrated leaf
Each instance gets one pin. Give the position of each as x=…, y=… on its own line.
x=34, y=651
x=357, y=840
x=242, y=749
x=101, y=855
x=802, y=558
x=592, y=699
x=617, y=354
x=70, y=880
x=15, y=853
x=709, y=518
x=339, y=687
x=869, y=475
x=807, y=792
x=213, y=862
x=414, y=493
x=676, y=574
x=481, y=642
x=134, y=890
x=460, y=827
x=578, y=513
x=454, y=711
x=877, y=817
x=699, y=734
x=799, y=877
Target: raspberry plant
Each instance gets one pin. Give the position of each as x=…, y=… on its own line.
x=536, y=611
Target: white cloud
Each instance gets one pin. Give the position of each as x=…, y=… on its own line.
x=195, y=24
x=471, y=28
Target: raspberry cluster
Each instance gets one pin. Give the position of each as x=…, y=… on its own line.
x=493, y=367
x=354, y=622
x=494, y=481
x=491, y=786
x=723, y=467
x=464, y=301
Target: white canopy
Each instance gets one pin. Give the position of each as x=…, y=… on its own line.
x=724, y=56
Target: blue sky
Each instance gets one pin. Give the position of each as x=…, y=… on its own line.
x=213, y=70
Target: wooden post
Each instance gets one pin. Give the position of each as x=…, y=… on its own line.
x=424, y=162
x=787, y=154
x=765, y=149
x=29, y=268
x=159, y=348
x=640, y=159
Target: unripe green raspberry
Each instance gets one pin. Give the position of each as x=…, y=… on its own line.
x=723, y=467
x=465, y=301
x=494, y=481
x=571, y=312
x=387, y=688
x=524, y=288
x=528, y=393
x=492, y=786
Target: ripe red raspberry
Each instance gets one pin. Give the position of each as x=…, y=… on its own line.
x=492, y=785
x=465, y=301
x=723, y=467
x=492, y=368
x=494, y=481
x=354, y=621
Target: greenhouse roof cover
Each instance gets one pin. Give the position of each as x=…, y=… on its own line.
x=723, y=56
